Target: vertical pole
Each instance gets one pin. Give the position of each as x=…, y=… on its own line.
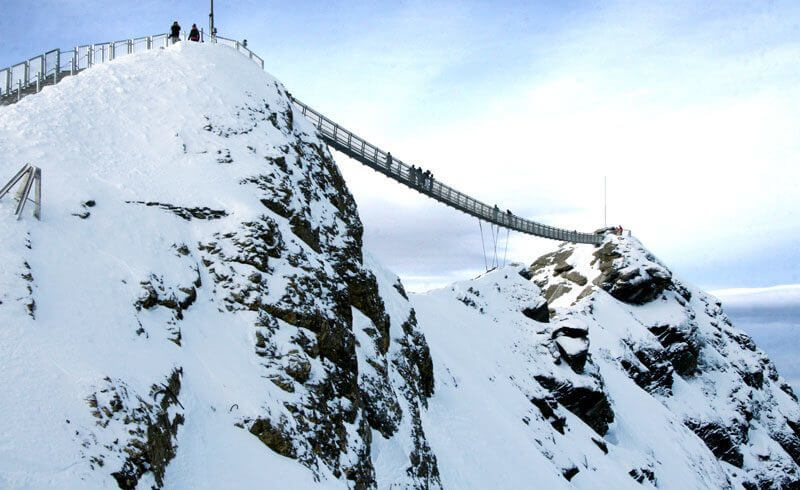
x=89, y=56
x=58, y=67
x=27, y=73
x=19, y=90
x=37, y=193
x=149, y=43
x=73, y=66
x=9, y=83
x=211, y=21
x=38, y=83
x=130, y=46
x=605, y=203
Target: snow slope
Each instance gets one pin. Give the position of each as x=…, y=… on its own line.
x=195, y=310
x=192, y=311
x=772, y=317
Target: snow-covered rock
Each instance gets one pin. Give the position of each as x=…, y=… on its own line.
x=638, y=357
x=195, y=310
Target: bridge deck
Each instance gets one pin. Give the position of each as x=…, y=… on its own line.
x=370, y=155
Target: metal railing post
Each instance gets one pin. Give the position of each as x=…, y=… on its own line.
x=149, y=43
x=9, y=83
x=58, y=67
x=89, y=56
x=130, y=46
x=27, y=73
x=19, y=90
x=38, y=78
x=73, y=66
x=42, y=67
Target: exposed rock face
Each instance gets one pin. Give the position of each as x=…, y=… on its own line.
x=315, y=303
x=232, y=275
x=683, y=351
x=630, y=277
x=588, y=403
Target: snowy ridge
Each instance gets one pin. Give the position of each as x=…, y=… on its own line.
x=195, y=310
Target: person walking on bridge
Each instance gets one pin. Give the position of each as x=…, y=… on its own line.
x=175, y=32
x=389, y=160
x=412, y=175
x=194, y=34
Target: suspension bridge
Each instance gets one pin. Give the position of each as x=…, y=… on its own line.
x=30, y=76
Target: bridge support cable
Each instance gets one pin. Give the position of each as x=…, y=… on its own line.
x=505, y=253
x=483, y=246
x=494, y=246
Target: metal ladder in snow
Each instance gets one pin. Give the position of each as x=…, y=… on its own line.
x=29, y=178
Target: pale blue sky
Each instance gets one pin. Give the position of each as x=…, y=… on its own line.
x=692, y=110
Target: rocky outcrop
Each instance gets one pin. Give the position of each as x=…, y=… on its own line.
x=590, y=404
x=151, y=423
x=627, y=277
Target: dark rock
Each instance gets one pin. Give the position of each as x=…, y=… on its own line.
x=754, y=379
x=153, y=433
x=589, y=405
x=363, y=294
x=400, y=289
x=273, y=437
x=681, y=348
x=656, y=378
x=539, y=313
x=186, y=213
x=722, y=441
x=601, y=444
x=575, y=277
x=575, y=358
x=570, y=472
x=526, y=274
x=640, y=474
x=570, y=331
x=547, y=407
x=636, y=286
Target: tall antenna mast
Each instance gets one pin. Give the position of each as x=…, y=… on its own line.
x=211, y=21
x=605, y=199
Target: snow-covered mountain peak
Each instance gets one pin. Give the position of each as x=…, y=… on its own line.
x=196, y=310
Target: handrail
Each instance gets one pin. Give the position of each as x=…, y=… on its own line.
x=370, y=155
x=13, y=87
x=30, y=76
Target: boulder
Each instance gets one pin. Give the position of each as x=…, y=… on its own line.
x=590, y=405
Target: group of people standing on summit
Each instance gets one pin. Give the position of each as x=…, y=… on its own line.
x=175, y=33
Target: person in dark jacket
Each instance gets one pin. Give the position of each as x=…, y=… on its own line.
x=194, y=34
x=175, y=32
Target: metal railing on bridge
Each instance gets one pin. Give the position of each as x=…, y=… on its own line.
x=372, y=156
x=30, y=76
